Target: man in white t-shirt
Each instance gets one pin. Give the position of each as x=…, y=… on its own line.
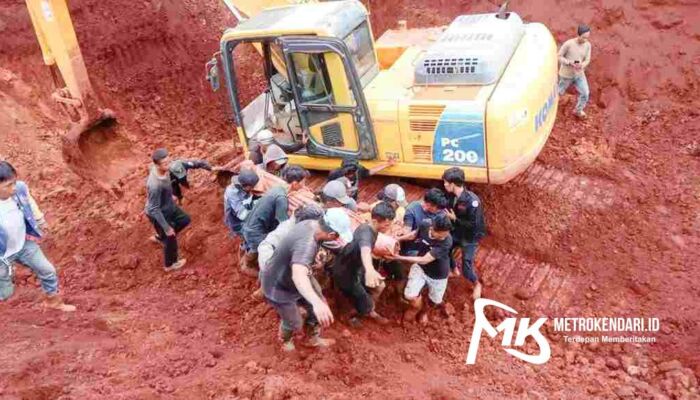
x=20, y=232
x=574, y=57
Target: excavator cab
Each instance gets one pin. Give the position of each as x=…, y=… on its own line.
x=313, y=96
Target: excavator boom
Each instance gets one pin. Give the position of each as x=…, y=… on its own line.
x=59, y=47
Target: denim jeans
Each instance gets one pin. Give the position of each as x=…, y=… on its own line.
x=178, y=220
x=33, y=258
x=581, y=85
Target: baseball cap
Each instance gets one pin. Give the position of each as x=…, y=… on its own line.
x=337, y=190
x=395, y=193
x=159, y=154
x=247, y=177
x=338, y=220
x=264, y=137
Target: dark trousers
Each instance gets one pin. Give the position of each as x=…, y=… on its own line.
x=468, y=250
x=178, y=220
x=355, y=290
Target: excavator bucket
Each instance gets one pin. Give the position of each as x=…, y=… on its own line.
x=59, y=47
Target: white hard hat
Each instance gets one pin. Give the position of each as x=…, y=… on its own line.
x=264, y=137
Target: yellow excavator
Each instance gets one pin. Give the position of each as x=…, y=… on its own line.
x=479, y=94
x=59, y=47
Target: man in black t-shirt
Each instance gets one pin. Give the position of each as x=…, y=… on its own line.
x=431, y=267
x=287, y=280
x=353, y=270
x=467, y=214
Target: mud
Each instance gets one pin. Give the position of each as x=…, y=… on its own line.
x=606, y=223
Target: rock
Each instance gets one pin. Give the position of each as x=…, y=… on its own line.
x=633, y=370
x=670, y=366
x=273, y=388
x=625, y=392
x=346, y=333
x=612, y=363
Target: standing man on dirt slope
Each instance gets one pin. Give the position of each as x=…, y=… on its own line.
x=574, y=57
x=238, y=200
x=21, y=224
x=268, y=212
x=430, y=267
x=167, y=218
x=467, y=215
x=353, y=269
x=178, y=174
x=287, y=281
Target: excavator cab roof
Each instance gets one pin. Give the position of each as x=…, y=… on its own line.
x=336, y=19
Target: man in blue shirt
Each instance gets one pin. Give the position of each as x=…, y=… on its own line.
x=238, y=200
x=20, y=232
x=434, y=203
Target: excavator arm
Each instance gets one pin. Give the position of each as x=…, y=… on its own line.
x=59, y=47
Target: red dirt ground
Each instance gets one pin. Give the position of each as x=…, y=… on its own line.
x=610, y=210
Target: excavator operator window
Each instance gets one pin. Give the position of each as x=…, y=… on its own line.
x=312, y=78
x=359, y=42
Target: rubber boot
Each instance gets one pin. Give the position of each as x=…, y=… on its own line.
x=56, y=303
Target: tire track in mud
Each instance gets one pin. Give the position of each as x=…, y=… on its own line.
x=548, y=289
x=589, y=192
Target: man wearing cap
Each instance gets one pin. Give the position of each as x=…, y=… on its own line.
x=287, y=280
x=239, y=199
x=167, y=218
x=395, y=196
x=178, y=174
x=574, y=57
x=267, y=213
x=353, y=269
x=263, y=140
x=335, y=194
x=274, y=160
x=351, y=169
x=467, y=214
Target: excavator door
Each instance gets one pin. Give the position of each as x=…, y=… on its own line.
x=329, y=98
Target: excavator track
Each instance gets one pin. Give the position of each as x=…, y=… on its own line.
x=591, y=193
